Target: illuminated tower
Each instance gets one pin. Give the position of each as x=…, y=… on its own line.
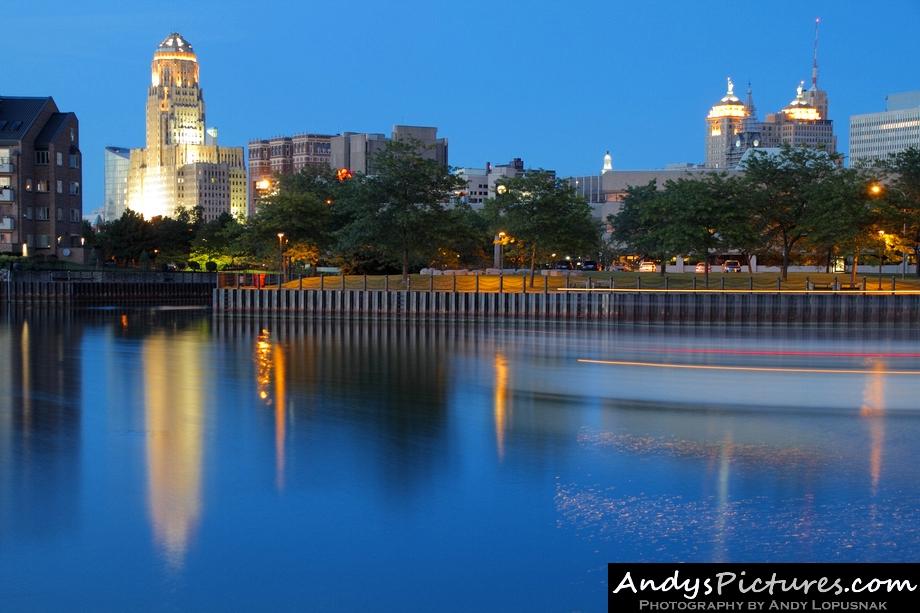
x=817, y=97
x=726, y=120
x=182, y=166
x=608, y=163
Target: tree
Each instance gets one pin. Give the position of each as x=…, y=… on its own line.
x=400, y=210
x=641, y=224
x=545, y=215
x=784, y=193
x=901, y=190
x=126, y=238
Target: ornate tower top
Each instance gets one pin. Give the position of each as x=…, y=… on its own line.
x=176, y=42
x=730, y=105
x=608, y=162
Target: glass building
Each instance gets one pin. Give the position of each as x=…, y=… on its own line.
x=117, y=163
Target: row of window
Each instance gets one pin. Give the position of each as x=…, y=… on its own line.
x=43, y=158
x=43, y=213
x=42, y=185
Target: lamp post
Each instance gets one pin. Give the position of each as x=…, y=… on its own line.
x=877, y=190
x=281, y=253
x=881, y=255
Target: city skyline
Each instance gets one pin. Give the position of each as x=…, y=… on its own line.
x=473, y=73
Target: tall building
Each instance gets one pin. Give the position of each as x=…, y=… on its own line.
x=875, y=136
x=182, y=166
x=732, y=126
x=117, y=163
x=41, y=202
x=283, y=155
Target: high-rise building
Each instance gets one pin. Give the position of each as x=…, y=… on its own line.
x=283, y=155
x=182, y=166
x=41, y=202
x=875, y=136
x=117, y=163
x=732, y=126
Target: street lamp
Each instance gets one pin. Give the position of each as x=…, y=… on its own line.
x=281, y=252
x=881, y=255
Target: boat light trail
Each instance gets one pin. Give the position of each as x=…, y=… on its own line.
x=822, y=371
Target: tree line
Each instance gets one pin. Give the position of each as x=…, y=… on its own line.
x=800, y=204
x=409, y=214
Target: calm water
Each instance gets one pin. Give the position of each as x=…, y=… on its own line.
x=162, y=460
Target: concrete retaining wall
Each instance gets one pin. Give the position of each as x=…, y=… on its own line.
x=622, y=306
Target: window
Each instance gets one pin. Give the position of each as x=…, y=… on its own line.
x=42, y=213
x=41, y=158
x=29, y=184
x=74, y=188
x=75, y=215
x=41, y=186
x=74, y=160
x=27, y=213
x=42, y=241
x=59, y=158
x=60, y=214
x=60, y=186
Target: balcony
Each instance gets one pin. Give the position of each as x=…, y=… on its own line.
x=6, y=194
x=6, y=166
x=7, y=223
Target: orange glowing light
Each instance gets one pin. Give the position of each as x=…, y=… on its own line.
x=343, y=174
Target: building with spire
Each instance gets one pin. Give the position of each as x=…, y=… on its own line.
x=732, y=126
x=182, y=166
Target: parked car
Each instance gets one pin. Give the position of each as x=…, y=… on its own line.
x=561, y=265
x=589, y=265
x=702, y=266
x=731, y=266
x=648, y=266
x=617, y=268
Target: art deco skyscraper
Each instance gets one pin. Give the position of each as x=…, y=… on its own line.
x=179, y=168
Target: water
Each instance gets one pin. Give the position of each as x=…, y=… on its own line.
x=162, y=460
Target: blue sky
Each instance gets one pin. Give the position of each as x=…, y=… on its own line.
x=554, y=83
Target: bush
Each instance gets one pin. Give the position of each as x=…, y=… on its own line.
x=211, y=266
x=194, y=265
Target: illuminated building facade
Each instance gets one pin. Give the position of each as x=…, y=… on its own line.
x=481, y=183
x=732, y=127
x=182, y=166
x=117, y=161
x=41, y=201
x=875, y=136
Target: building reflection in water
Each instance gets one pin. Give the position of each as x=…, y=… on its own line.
x=271, y=382
x=500, y=402
x=40, y=418
x=724, y=513
x=174, y=414
x=873, y=410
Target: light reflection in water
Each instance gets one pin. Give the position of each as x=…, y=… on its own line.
x=500, y=402
x=271, y=367
x=173, y=409
x=873, y=410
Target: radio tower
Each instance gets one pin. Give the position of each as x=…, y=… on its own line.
x=814, y=64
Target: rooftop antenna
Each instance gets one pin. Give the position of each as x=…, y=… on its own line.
x=814, y=64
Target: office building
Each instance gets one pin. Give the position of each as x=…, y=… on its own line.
x=481, y=183
x=182, y=166
x=732, y=126
x=282, y=155
x=117, y=163
x=41, y=202
x=876, y=136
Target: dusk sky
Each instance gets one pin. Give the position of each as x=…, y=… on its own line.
x=554, y=83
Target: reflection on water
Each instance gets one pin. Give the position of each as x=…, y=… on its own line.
x=299, y=457
x=174, y=412
x=500, y=402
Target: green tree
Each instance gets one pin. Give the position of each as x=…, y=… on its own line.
x=545, y=215
x=784, y=193
x=900, y=188
x=640, y=226
x=399, y=212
